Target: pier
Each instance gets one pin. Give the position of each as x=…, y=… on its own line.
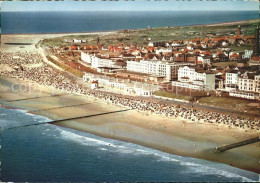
x=67, y=119
x=238, y=144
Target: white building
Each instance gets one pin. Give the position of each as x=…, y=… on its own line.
x=246, y=85
x=86, y=57
x=188, y=77
x=121, y=85
x=97, y=62
x=163, y=50
x=150, y=44
x=76, y=40
x=243, y=94
x=248, y=54
x=169, y=70
x=231, y=82
x=249, y=82
x=135, y=66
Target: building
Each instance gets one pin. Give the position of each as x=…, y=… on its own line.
x=248, y=54
x=86, y=57
x=163, y=50
x=97, y=62
x=121, y=85
x=169, y=70
x=76, y=41
x=249, y=82
x=94, y=84
x=246, y=85
x=192, y=78
x=255, y=60
x=231, y=82
x=245, y=95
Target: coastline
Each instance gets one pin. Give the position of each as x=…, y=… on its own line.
x=118, y=30
x=172, y=135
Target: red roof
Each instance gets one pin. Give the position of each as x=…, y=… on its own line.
x=236, y=37
x=256, y=58
x=150, y=48
x=87, y=47
x=206, y=53
x=73, y=47
x=185, y=77
x=234, y=55
x=220, y=38
x=250, y=37
x=95, y=82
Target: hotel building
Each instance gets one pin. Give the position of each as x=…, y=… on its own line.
x=192, y=78
x=246, y=85
x=169, y=70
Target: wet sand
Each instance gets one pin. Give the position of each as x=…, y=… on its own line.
x=172, y=135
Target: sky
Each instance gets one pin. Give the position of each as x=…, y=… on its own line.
x=137, y=5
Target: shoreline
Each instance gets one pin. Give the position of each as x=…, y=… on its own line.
x=114, y=31
x=171, y=135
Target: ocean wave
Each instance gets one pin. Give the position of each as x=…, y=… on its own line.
x=11, y=116
x=215, y=171
x=116, y=146
x=103, y=149
x=133, y=149
x=83, y=139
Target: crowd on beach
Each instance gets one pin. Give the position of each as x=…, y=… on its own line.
x=19, y=58
x=177, y=111
x=46, y=75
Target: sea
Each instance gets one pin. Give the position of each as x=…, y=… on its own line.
x=67, y=22
x=51, y=153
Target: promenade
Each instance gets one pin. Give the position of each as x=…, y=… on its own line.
x=30, y=67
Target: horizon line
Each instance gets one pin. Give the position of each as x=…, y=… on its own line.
x=127, y=10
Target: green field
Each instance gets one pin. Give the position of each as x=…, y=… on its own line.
x=67, y=68
x=230, y=103
x=140, y=36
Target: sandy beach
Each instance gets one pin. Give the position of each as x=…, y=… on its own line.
x=33, y=39
x=172, y=135
x=168, y=134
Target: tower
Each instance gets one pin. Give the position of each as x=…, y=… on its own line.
x=238, y=30
x=256, y=44
x=98, y=41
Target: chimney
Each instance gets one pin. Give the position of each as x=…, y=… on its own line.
x=238, y=30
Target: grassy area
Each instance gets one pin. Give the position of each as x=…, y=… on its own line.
x=171, y=95
x=228, y=102
x=140, y=36
x=241, y=48
x=71, y=70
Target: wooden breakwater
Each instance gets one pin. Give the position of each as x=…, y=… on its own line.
x=238, y=144
x=67, y=119
x=35, y=98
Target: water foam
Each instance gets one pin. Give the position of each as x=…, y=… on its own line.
x=214, y=171
x=133, y=149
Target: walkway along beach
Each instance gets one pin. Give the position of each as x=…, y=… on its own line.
x=175, y=129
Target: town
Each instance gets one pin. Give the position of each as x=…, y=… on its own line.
x=194, y=67
x=167, y=78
